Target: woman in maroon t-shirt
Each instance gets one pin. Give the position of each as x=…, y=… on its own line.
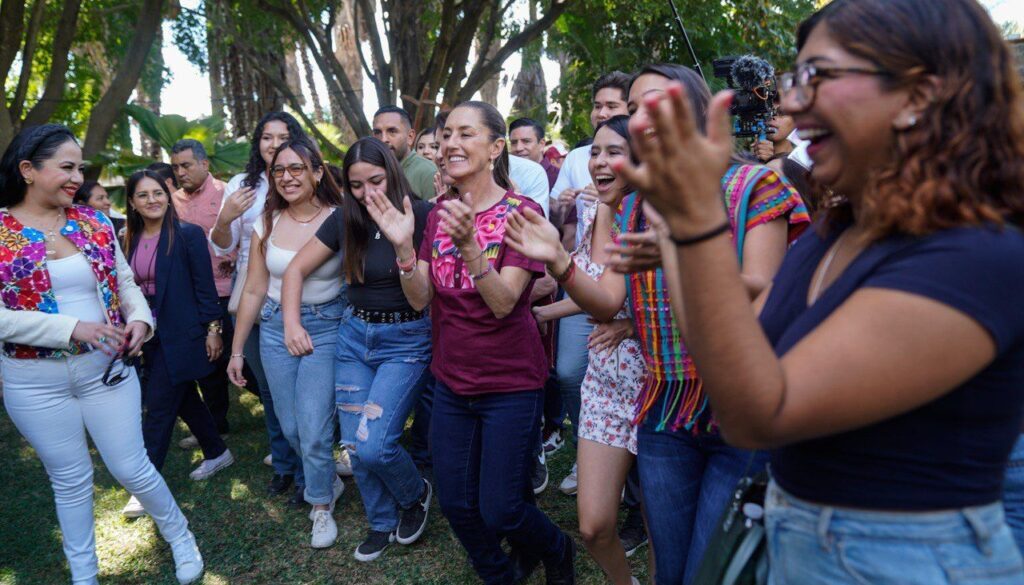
x=488, y=358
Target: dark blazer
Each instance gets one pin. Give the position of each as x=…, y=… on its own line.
x=186, y=300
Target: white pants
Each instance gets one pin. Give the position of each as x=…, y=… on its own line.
x=53, y=402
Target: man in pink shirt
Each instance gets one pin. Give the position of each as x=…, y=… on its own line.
x=198, y=202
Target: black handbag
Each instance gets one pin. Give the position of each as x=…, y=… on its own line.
x=737, y=553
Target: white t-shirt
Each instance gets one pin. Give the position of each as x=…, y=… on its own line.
x=574, y=174
x=241, y=228
x=531, y=181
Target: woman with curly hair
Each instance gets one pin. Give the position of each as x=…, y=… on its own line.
x=887, y=370
x=242, y=206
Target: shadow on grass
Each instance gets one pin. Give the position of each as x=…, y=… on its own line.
x=246, y=537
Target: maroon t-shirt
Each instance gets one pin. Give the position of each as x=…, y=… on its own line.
x=474, y=351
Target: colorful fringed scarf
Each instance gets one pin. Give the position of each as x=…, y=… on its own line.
x=753, y=194
x=670, y=370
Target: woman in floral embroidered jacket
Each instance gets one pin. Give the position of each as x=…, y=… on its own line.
x=71, y=320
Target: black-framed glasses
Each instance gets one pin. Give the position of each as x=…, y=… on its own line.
x=119, y=369
x=295, y=170
x=801, y=86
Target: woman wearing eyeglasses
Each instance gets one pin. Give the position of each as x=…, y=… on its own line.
x=302, y=194
x=887, y=369
x=171, y=264
x=70, y=306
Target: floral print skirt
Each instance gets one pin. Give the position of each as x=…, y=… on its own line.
x=608, y=393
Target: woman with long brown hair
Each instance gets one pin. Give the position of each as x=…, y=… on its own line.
x=302, y=195
x=171, y=265
x=383, y=346
x=887, y=370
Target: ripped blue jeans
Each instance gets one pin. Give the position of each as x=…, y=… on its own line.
x=380, y=370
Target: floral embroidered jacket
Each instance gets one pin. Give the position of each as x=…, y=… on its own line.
x=25, y=282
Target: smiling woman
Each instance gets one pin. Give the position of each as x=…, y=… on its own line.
x=66, y=348
x=887, y=370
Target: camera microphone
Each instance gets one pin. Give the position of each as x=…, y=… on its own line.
x=750, y=72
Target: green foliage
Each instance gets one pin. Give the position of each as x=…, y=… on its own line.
x=599, y=36
x=227, y=157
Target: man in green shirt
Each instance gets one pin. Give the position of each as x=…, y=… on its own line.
x=392, y=125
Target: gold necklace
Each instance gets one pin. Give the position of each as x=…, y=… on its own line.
x=299, y=221
x=50, y=235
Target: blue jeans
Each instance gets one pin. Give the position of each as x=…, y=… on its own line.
x=1013, y=493
x=380, y=370
x=571, y=363
x=818, y=545
x=286, y=460
x=305, y=410
x=686, y=481
x=482, y=479
x=419, y=439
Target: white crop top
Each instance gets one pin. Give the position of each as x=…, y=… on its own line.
x=74, y=287
x=321, y=286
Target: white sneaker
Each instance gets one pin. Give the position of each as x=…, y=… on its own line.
x=188, y=563
x=133, y=509
x=338, y=488
x=325, y=531
x=209, y=467
x=343, y=465
x=268, y=460
x=569, y=484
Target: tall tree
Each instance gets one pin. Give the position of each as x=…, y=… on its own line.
x=428, y=46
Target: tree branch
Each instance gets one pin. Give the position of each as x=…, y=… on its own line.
x=385, y=77
x=485, y=68
x=12, y=25
x=53, y=91
x=359, y=46
x=106, y=110
x=28, y=54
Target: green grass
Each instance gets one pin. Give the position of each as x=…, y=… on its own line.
x=246, y=537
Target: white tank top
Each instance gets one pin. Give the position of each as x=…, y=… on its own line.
x=319, y=287
x=74, y=287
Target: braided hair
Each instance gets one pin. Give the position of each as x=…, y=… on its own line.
x=35, y=144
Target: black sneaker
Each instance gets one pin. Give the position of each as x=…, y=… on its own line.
x=632, y=533
x=298, y=499
x=523, y=564
x=540, y=475
x=563, y=571
x=279, y=484
x=414, y=519
x=374, y=545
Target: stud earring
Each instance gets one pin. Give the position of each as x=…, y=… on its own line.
x=490, y=166
x=912, y=121
x=28, y=181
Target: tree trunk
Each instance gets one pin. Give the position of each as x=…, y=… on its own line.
x=314, y=94
x=530, y=92
x=346, y=52
x=106, y=111
x=214, y=62
x=53, y=91
x=489, y=90
x=292, y=74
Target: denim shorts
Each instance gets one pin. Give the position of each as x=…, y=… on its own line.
x=815, y=544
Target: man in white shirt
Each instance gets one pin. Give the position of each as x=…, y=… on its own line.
x=609, y=95
x=530, y=180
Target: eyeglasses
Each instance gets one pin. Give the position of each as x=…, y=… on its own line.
x=801, y=86
x=294, y=170
x=119, y=369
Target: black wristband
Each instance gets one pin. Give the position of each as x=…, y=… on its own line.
x=701, y=237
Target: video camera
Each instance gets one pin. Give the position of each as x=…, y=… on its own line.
x=753, y=106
